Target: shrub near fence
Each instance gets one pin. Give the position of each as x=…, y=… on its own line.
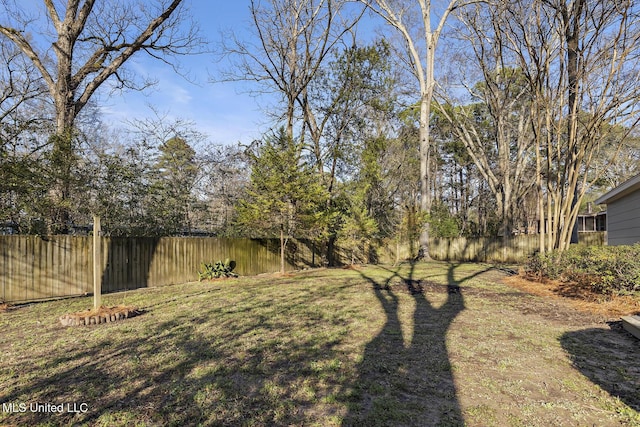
x=606, y=270
x=34, y=268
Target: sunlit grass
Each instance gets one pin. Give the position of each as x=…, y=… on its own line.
x=321, y=347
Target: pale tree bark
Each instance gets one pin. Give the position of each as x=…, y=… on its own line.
x=580, y=59
x=87, y=54
x=283, y=245
x=91, y=42
x=420, y=38
x=496, y=131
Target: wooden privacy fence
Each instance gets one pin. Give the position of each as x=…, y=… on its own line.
x=493, y=249
x=484, y=249
x=479, y=249
x=34, y=268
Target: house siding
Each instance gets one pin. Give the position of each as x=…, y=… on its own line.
x=623, y=220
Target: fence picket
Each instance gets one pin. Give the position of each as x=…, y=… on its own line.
x=34, y=268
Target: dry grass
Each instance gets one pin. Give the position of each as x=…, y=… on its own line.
x=577, y=297
x=425, y=344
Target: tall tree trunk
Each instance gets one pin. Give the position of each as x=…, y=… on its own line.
x=572, y=22
x=81, y=67
x=540, y=200
x=507, y=218
x=62, y=161
x=425, y=175
x=423, y=66
x=282, y=248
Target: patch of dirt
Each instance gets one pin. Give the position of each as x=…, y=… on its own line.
x=553, y=307
x=414, y=287
x=578, y=298
x=102, y=315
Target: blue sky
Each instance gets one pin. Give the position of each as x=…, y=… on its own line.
x=224, y=111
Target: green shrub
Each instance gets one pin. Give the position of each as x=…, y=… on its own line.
x=217, y=270
x=608, y=270
x=545, y=265
x=443, y=224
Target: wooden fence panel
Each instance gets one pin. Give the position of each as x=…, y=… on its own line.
x=598, y=238
x=486, y=249
x=34, y=268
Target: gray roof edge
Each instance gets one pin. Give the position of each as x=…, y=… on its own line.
x=621, y=190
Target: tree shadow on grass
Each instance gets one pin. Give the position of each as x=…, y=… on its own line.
x=299, y=253
x=257, y=369
x=610, y=358
x=128, y=263
x=249, y=359
x=409, y=384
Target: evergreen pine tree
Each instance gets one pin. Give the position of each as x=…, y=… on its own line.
x=285, y=196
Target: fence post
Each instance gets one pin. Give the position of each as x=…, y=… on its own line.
x=97, y=262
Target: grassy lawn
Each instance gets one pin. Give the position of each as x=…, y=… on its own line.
x=386, y=346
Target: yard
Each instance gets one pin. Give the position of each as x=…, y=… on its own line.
x=424, y=344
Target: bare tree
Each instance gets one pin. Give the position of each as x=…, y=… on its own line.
x=581, y=59
x=20, y=88
x=225, y=174
x=412, y=19
x=82, y=44
x=347, y=104
x=91, y=44
x=495, y=130
x=293, y=38
x=23, y=115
